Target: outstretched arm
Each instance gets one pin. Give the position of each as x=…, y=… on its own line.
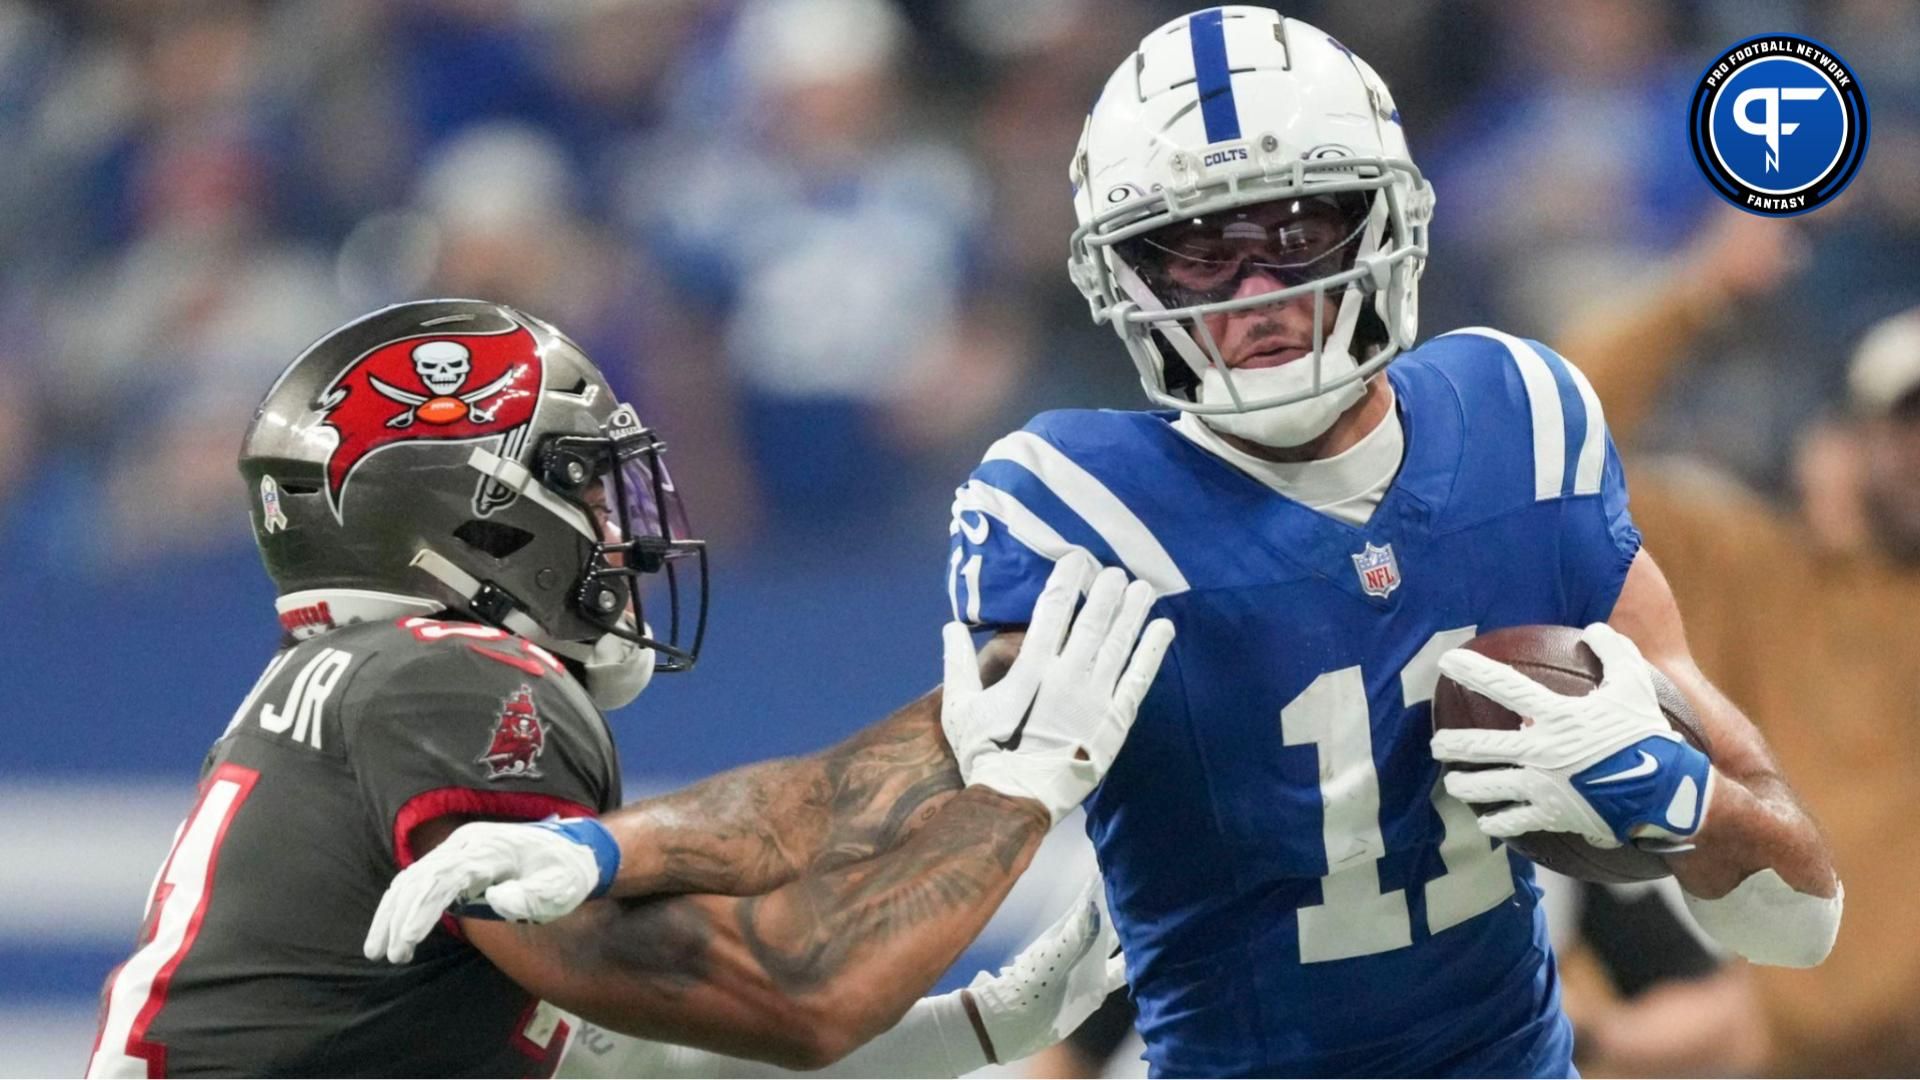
x=805, y=973
x=1038, y=998
x=797, y=977
x=759, y=826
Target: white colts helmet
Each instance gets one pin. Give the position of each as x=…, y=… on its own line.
x=1218, y=111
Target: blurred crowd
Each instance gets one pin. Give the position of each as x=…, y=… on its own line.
x=821, y=243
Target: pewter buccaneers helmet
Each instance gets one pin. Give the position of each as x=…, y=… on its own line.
x=1220, y=110
x=461, y=455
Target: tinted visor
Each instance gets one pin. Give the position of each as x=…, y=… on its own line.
x=650, y=504
x=1278, y=245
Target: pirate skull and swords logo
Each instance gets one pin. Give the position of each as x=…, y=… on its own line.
x=433, y=388
x=443, y=367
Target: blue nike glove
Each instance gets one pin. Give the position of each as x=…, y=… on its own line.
x=1605, y=765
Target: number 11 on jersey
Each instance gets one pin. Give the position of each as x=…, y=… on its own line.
x=1355, y=916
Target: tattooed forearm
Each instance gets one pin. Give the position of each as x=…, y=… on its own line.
x=662, y=941
x=754, y=829
x=798, y=977
x=884, y=784
x=907, y=911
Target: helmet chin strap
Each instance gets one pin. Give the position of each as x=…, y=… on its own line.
x=615, y=670
x=1297, y=422
x=618, y=669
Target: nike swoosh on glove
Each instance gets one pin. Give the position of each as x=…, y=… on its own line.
x=531, y=872
x=1605, y=765
x=1070, y=697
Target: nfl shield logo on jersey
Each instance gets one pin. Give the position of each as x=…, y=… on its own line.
x=1379, y=571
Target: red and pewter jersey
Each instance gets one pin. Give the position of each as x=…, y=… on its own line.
x=249, y=961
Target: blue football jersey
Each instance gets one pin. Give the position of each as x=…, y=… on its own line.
x=1296, y=893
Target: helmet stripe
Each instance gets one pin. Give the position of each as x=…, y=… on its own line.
x=1209, y=40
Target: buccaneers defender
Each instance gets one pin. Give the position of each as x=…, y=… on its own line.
x=461, y=520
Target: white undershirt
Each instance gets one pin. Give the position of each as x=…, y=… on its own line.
x=1347, y=486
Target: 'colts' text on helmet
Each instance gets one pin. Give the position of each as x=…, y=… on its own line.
x=1237, y=163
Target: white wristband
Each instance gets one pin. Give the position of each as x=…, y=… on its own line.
x=1769, y=922
x=935, y=1038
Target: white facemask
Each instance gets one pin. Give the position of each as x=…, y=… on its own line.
x=617, y=671
x=1281, y=426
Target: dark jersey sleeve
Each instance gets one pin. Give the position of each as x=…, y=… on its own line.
x=471, y=722
x=999, y=554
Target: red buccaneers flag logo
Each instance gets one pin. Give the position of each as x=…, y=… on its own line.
x=518, y=739
x=433, y=388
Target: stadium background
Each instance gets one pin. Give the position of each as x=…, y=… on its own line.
x=820, y=243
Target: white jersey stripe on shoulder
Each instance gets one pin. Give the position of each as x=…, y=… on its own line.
x=1592, y=464
x=1022, y=524
x=1543, y=401
x=1138, y=550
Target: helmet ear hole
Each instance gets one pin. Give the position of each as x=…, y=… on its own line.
x=492, y=537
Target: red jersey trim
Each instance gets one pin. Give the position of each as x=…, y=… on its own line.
x=545, y=1059
x=472, y=802
x=137, y=1044
x=469, y=802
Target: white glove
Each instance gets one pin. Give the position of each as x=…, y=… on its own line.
x=534, y=872
x=1605, y=765
x=1055, y=983
x=1050, y=729
x=965, y=709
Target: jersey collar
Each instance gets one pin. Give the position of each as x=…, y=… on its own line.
x=1359, y=475
x=311, y=612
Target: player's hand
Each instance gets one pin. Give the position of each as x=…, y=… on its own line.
x=1605, y=765
x=968, y=711
x=1050, y=729
x=534, y=872
x=1055, y=983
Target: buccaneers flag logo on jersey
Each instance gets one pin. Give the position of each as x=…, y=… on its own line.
x=518, y=739
x=433, y=388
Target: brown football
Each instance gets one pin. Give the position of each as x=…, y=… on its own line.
x=1555, y=657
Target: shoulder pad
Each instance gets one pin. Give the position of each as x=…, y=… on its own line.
x=1531, y=427
x=1069, y=479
